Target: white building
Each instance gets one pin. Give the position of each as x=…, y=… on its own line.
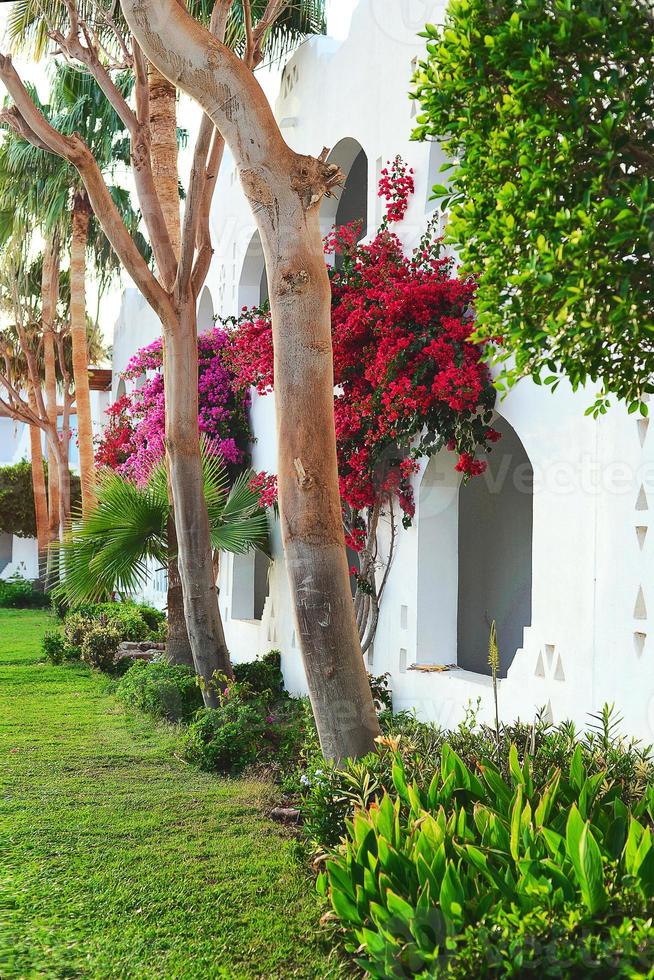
x=552, y=542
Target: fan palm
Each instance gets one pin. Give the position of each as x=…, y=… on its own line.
x=112, y=548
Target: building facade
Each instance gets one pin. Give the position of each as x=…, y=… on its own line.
x=552, y=542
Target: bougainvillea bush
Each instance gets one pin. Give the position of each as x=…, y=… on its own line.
x=409, y=381
x=134, y=439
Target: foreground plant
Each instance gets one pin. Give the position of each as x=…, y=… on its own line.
x=427, y=863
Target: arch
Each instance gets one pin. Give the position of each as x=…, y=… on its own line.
x=351, y=203
x=206, y=313
x=475, y=556
x=495, y=554
x=253, y=284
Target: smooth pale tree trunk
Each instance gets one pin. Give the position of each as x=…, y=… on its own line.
x=178, y=647
x=284, y=190
x=49, y=296
x=40, y=496
x=164, y=150
x=164, y=155
x=79, y=242
x=203, y=622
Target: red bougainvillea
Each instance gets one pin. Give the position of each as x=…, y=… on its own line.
x=408, y=379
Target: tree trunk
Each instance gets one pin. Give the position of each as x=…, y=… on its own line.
x=309, y=499
x=81, y=216
x=178, y=648
x=163, y=150
x=284, y=189
x=49, y=296
x=40, y=497
x=202, y=614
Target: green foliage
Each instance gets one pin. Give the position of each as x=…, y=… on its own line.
x=329, y=794
x=17, y=514
x=111, y=548
x=510, y=943
x=253, y=723
x=429, y=861
x=547, y=107
x=162, y=690
x=126, y=620
x=54, y=646
x=100, y=643
x=18, y=593
x=263, y=674
x=226, y=739
x=138, y=865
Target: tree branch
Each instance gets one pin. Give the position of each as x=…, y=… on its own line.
x=76, y=152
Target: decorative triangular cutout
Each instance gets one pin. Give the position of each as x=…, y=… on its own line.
x=639, y=643
x=548, y=714
x=549, y=653
x=558, y=673
x=640, y=609
x=540, y=667
x=641, y=534
x=642, y=426
x=641, y=502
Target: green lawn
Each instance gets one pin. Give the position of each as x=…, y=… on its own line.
x=117, y=859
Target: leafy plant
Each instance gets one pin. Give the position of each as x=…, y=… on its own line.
x=428, y=861
x=54, y=646
x=100, y=643
x=111, y=549
x=166, y=691
x=19, y=593
x=262, y=674
x=547, y=114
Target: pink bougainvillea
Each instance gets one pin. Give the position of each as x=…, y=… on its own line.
x=134, y=438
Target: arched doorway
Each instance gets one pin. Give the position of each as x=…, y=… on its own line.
x=495, y=554
x=351, y=203
x=206, y=312
x=475, y=556
x=253, y=284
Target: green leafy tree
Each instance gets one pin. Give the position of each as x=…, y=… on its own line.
x=17, y=513
x=547, y=109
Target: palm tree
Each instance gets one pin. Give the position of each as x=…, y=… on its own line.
x=112, y=547
x=54, y=196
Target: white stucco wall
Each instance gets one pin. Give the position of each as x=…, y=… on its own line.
x=589, y=640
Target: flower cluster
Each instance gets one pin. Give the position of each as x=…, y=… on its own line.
x=265, y=484
x=135, y=436
x=396, y=185
x=409, y=381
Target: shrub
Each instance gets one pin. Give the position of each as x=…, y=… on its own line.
x=54, y=646
x=18, y=593
x=262, y=674
x=129, y=620
x=427, y=862
x=100, y=643
x=329, y=794
x=163, y=690
x=225, y=739
x=249, y=726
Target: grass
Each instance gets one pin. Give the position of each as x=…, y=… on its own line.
x=121, y=861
